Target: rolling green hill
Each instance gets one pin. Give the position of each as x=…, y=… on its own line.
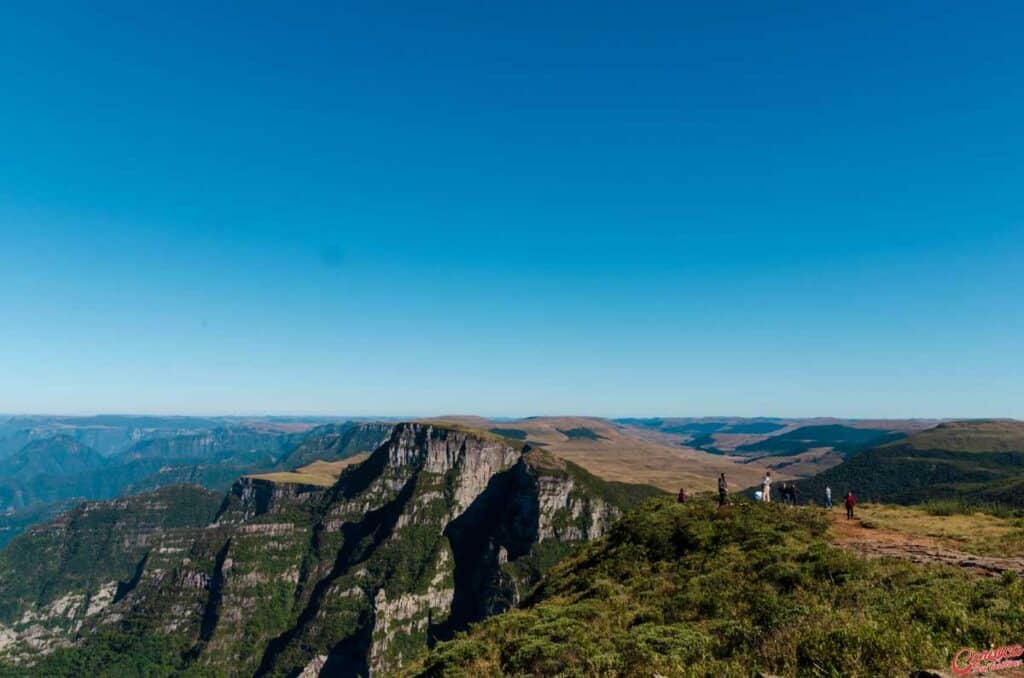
x=979, y=461
x=844, y=439
x=691, y=590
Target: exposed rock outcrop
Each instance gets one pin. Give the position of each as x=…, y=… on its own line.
x=438, y=528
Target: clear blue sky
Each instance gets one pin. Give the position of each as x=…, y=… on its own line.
x=542, y=208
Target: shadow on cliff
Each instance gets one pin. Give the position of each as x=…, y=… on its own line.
x=501, y=524
x=349, y=657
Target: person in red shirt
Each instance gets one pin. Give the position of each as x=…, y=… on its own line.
x=850, y=503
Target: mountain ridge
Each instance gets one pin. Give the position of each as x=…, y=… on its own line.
x=439, y=527
x=979, y=461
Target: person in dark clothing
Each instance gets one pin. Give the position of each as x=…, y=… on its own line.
x=723, y=490
x=682, y=496
x=793, y=494
x=849, y=502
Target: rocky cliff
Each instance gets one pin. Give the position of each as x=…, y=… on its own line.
x=440, y=527
x=59, y=576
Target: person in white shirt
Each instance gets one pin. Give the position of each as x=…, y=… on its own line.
x=766, y=487
x=828, y=497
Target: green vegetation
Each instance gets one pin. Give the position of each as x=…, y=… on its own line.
x=975, y=463
x=754, y=427
x=695, y=427
x=705, y=442
x=953, y=525
x=581, y=433
x=691, y=590
x=92, y=544
x=972, y=435
x=241, y=445
x=369, y=569
x=47, y=474
x=513, y=433
x=623, y=496
x=844, y=439
x=334, y=442
x=14, y=523
x=704, y=427
x=129, y=652
x=952, y=507
x=57, y=456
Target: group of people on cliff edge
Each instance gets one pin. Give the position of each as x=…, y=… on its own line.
x=789, y=494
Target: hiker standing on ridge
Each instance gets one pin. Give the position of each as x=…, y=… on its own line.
x=766, y=487
x=828, y=497
x=792, y=493
x=850, y=503
x=682, y=496
x=723, y=490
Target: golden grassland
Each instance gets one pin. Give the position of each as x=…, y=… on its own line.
x=630, y=454
x=319, y=473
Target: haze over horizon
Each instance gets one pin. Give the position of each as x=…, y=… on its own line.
x=529, y=210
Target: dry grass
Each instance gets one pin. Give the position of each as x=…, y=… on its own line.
x=319, y=473
x=631, y=454
x=977, y=533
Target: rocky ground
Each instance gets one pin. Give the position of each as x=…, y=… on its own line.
x=874, y=542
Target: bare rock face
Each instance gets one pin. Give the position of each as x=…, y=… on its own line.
x=256, y=496
x=568, y=513
x=60, y=579
x=439, y=528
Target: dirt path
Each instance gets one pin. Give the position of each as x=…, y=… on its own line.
x=882, y=543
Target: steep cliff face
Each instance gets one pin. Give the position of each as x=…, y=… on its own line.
x=440, y=527
x=238, y=443
x=48, y=475
x=57, y=577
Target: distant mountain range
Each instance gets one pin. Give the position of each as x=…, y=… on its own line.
x=47, y=474
x=113, y=434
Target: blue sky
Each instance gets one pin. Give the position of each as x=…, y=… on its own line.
x=669, y=209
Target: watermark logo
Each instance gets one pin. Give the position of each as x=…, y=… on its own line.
x=967, y=661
